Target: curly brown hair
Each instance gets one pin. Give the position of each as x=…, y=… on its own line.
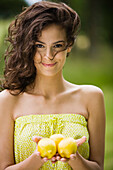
x=22, y=35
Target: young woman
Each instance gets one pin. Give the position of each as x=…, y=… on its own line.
x=38, y=101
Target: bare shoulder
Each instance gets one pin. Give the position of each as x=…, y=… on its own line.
x=94, y=97
x=6, y=129
x=87, y=91
x=91, y=89
x=92, y=93
x=7, y=102
x=96, y=121
x=6, y=97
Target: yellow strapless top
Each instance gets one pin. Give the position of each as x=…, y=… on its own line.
x=70, y=125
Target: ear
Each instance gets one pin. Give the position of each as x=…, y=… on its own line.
x=69, y=49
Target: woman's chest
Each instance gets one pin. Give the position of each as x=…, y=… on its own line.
x=41, y=105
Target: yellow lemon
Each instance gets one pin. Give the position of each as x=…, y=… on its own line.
x=66, y=147
x=47, y=148
x=57, y=138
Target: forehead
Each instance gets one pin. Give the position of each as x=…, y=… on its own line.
x=52, y=33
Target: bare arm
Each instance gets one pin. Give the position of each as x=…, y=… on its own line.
x=96, y=128
x=82, y=163
x=34, y=162
x=7, y=103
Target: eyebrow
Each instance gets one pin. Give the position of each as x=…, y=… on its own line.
x=53, y=43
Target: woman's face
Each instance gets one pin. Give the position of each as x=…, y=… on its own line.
x=51, y=51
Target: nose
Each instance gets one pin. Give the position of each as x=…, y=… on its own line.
x=49, y=53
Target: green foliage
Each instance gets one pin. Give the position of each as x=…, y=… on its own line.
x=108, y=93
x=96, y=17
x=82, y=69
x=10, y=8
x=4, y=24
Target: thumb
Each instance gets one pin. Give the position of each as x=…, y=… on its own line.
x=80, y=141
x=36, y=139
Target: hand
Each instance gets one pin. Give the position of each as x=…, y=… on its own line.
x=36, y=139
x=57, y=157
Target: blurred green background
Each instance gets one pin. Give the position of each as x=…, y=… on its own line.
x=91, y=60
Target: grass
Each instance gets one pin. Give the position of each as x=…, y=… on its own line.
x=82, y=69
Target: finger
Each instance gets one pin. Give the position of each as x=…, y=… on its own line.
x=58, y=158
x=80, y=141
x=64, y=159
x=45, y=159
x=36, y=138
x=37, y=153
x=53, y=159
x=73, y=156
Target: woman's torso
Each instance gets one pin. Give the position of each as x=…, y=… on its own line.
x=51, y=115
x=45, y=125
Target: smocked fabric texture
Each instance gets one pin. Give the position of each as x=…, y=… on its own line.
x=70, y=125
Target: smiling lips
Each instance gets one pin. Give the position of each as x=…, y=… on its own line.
x=48, y=65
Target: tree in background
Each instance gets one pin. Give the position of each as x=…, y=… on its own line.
x=10, y=8
x=96, y=20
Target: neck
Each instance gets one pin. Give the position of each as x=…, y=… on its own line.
x=49, y=86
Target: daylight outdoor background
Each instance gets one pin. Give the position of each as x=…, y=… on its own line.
x=91, y=60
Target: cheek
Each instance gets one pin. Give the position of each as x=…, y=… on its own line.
x=62, y=55
x=37, y=58
x=61, y=58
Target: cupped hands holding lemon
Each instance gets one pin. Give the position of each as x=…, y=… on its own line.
x=67, y=147
x=58, y=147
x=57, y=139
x=46, y=147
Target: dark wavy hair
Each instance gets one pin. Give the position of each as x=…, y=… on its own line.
x=22, y=34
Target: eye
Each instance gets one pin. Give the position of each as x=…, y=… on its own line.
x=39, y=46
x=58, y=46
